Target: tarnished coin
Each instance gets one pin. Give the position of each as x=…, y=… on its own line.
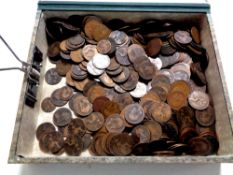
x=52, y=77
x=99, y=102
x=139, y=91
x=146, y=69
x=123, y=100
x=72, y=100
x=199, y=100
x=182, y=37
x=69, y=80
x=134, y=113
x=104, y=46
x=114, y=123
x=110, y=108
x=205, y=117
x=62, y=117
x=155, y=130
x=56, y=98
x=93, y=70
x=122, y=56
x=87, y=141
x=106, y=80
x=168, y=73
x=119, y=37
x=161, y=91
x=77, y=73
x=43, y=129
x=76, y=127
x=199, y=146
x=47, y=105
x=113, y=65
x=115, y=72
x=53, y=141
x=123, y=76
x=153, y=47
x=62, y=67
x=66, y=93
x=131, y=82
x=135, y=51
x=89, y=51
x=142, y=132
x=101, y=61
x=94, y=121
x=161, y=112
x=195, y=35
x=82, y=106
x=76, y=56
x=81, y=84
x=181, y=86
x=73, y=145
x=176, y=100
x=94, y=92
x=53, y=50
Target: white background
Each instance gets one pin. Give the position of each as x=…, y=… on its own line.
x=17, y=19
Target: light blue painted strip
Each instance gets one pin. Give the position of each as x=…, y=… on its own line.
x=124, y=6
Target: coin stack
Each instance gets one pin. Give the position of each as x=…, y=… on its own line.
x=129, y=90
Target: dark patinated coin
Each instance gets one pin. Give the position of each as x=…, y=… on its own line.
x=87, y=141
x=199, y=146
x=47, y=105
x=205, y=117
x=135, y=51
x=82, y=106
x=153, y=47
x=43, y=129
x=131, y=82
x=122, y=56
x=195, y=35
x=123, y=76
x=56, y=98
x=62, y=117
x=73, y=145
x=53, y=50
x=66, y=93
x=76, y=127
x=134, y=113
x=94, y=121
x=52, y=77
x=62, y=67
x=99, y=102
x=110, y=108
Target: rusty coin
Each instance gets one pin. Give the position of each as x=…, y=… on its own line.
x=73, y=145
x=82, y=106
x=52, y=77
x=43, y=129
x=56, y=98
x=76, y=127
x=104, y=46
x=62, y=117
x=114, y=123
x=94, y=121
x=47, y=105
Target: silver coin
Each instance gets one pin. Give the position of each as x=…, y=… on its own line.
x=119, y=89
x=181, y=75
x=101, y=61
x=139, y=91
x=168, y=73
x=93, y=70
x=149, y=87
x=199, y=100
x=181, y=67
x=118, y=37
x=170, y=60
x=156, y=62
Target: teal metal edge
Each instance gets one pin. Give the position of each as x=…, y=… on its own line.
x=124, y=6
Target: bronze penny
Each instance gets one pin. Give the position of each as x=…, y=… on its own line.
x=53, y=49
x=115, y=72
x=94, y=92
x=47, y=105
x=164, y=153
x=94, y=121
x=113, y=65
x=76, y=56
x=122, y=56
x=187, y=133
x=135, y=51
x=101, y=32
x=199, y=100
x=73, y=145
x=43, y=129
x=72, y=100
x=195, y=35
x=155, y=130
x=69, y=80
x=99, y=102
x=77, y=73
x=123, y=76
x=63, y=47
x=56, y=141
x=62, y=67
x=185, y=111
x=79, y=85
x=199, y=146
x=123, y=100
x=106, y=80
x=161, y=112
x=66, y=93
x=82, y=106
x=104, y=46
x=56, y=98
x=142, y=132
x=181, y=86
x=153, y=47
x=62, y=117
x=87, y=141
x=161, y=92
x=146, y=70
x=110, y=108
x=182, y=37
x=76, y=127
x=114, y=123
x=176, y=100
x=52, y=77
x=205, y=117
x=131, y=82
x=150, y=96
x=134, y=113
x=88, y=86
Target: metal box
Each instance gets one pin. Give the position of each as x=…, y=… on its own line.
x=24, y=147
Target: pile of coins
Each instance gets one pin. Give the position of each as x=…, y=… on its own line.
x=130, y=90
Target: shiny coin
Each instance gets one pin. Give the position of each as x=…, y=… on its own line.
x=157, y=62
x=114, y=123
x=139, y=91
x=134, y=114
x=93, y=70
x=199, y=100
x=205, y=117
x=89, y=51
x=94, y=121
x=182, y=37
x=62, y=117
x=101, y=61
x=47, y=105
x=52, y=77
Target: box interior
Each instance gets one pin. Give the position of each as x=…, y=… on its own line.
x=27, y=145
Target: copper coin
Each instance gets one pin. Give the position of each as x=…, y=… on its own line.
x=161, y=112
x=142, y=132
x=77, y=73
x=43, y=129
x=62, y=117
x=134, y=114
x=161, y=92
x=123, y=100
x=132, y=81
x=47, y=105
x=199, y=100
x=104, y=46
x=76, y=56
x=73, y=145
x=72, y=100
x=89, y=51
x=114, y=123
x=160, y=79
x=185, y=112
x=101, y=32
x=56, y=98
x=164, y=153
x=182, y=37
x=94, y=92
x=63, y=47
x=76, y=127
x=88, y=86
x=79, y=85
x=176, y=100
x=110, y=108
x=195, y=35
x=106, y=80
x=187, y=133
x=82, y=106
x=123, y=76
x=52, y=77
x=62, y=67
x=146, y=70
x=205, y=117
x=115, y=72
x=153, y=47
x=66, y=93
x=53, y=49
x=69, y=80
x=199, y=146
x=181, y=86
x=113, y=65
x=135, y=51
x=55, y=140
x=94, y=121
x=122, y=56
x=99, y=102
x=150, y=96
x=155, y=130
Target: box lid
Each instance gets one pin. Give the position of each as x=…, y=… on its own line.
x=199, y=6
